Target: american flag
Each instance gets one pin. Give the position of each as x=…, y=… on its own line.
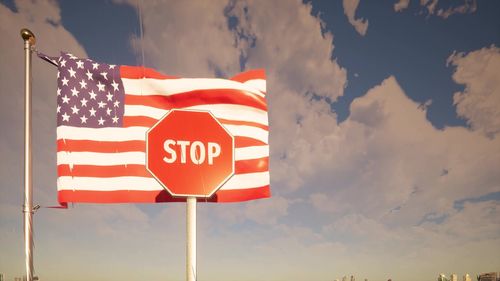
x=104, y=111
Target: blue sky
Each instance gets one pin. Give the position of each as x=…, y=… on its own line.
x=384, y=133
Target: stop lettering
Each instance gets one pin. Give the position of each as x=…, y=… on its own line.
x=190, y=153
x=197, y=151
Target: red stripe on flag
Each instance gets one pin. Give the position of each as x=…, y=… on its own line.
x=144, y=121
x=135, y=170
x=129, y=146
x=132, y=170
x=137, y=196
x=137, y=72
x=238, y=195
x=252, y=166
x=250, y=75
x=138, y=121
x=100, y=146
x=199, y=97
x=243, y=123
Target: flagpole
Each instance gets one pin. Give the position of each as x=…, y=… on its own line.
x=29, y=42
x=191, y=239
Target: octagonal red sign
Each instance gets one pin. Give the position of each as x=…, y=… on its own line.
x=190, y=153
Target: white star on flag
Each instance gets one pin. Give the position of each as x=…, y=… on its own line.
x=65, y=99
x=100, y=86
x=75, y=109
x=102, y=104
x=105, y=75
x=89, y=75
x=71, y=72
x=74, y=92
x=115, y=85
x=65, y=117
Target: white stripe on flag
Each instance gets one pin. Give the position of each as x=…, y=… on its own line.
x=251, y=180
x=223, y=111
x=100, y=159
x=248, y=131
x=101, y=134
x=259, y=84
x=107, y=184
x=240, y=181
x=251, y=152
x=124, y=158
x=167, y=87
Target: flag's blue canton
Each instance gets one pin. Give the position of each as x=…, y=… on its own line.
x=89, y=94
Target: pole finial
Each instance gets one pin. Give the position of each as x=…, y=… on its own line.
x=27, y=35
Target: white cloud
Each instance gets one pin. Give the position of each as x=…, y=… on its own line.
x=388, y=162
x=360, y=24
x=401, y=5
x=187, y=38
x=468, y=7
x=267, y=211
x=465, y=7
x=479, y=103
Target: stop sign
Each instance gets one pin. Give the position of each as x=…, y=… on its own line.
x=190, y=153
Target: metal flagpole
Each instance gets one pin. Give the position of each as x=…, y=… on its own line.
x=29, y=42
x=191, y=239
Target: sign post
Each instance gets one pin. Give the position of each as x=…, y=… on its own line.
x=191, y=155
x=191, y=239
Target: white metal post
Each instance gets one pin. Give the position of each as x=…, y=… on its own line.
x=29, y=42
x=191, y=239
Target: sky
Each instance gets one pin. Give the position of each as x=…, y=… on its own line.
x=384, y=137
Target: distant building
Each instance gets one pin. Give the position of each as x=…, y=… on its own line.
x=467, y=277
x=453, y=277
x=442, y=277
x=490, y=276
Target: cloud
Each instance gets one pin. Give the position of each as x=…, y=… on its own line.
x=437, y=8
x=479, y=103
x=401, y=5
x=192, y=40
x=360, y=24
x=384, y=168
x=468, y=7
